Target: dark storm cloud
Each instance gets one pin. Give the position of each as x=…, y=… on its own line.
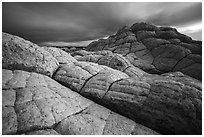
x=177, y=14
x=41, y=22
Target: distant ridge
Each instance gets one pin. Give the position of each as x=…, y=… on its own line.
x=155, y=49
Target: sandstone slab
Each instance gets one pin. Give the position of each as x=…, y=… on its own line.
x=49, y=108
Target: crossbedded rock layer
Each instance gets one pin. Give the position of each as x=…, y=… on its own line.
x=36, y=104
x=155, y=49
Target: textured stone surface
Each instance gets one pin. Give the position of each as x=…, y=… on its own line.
x=191, y=64
x=159, y=102
x=129, y=99
x=43, y=132
x=9, y=120
x=154, y=49
x=112, y=60
x=38, y=105
x=20, y=54
x=72, y=76
x=76, y=76
x=61, y=56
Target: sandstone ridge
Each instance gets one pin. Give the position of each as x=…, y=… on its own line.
x=155, y=49
x=111, y=88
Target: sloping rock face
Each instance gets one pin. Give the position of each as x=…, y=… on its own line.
x=103, y=92
x=21, y=54
x=169, y=103
x=112, y=60
x=155, y=49
x=61, y=56
x=35, y=104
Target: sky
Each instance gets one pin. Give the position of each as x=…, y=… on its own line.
x=80, y=23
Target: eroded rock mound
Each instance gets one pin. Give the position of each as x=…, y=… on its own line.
x=168, y=104
x=21, y=54
x=129, y=100
x=112, y=60
x=36, y=104
x=155, y=49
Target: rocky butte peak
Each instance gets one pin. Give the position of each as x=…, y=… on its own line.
x=143, y=27
x=156, y=50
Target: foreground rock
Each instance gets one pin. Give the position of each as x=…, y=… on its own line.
x=18, y=53
x=155, y=49
x=169, y=104
x=36, y=104
x=33, y=103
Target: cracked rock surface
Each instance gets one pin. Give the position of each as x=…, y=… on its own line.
x=155, y=49
x=168, y=103
x=21, y=54
x=61, y=56
x=35, y=104
x=142, y=80
x=109, y=59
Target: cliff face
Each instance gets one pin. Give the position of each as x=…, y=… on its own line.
x=143, y=80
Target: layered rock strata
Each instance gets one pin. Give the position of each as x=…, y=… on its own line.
x=113, y=88
x=155, y=49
